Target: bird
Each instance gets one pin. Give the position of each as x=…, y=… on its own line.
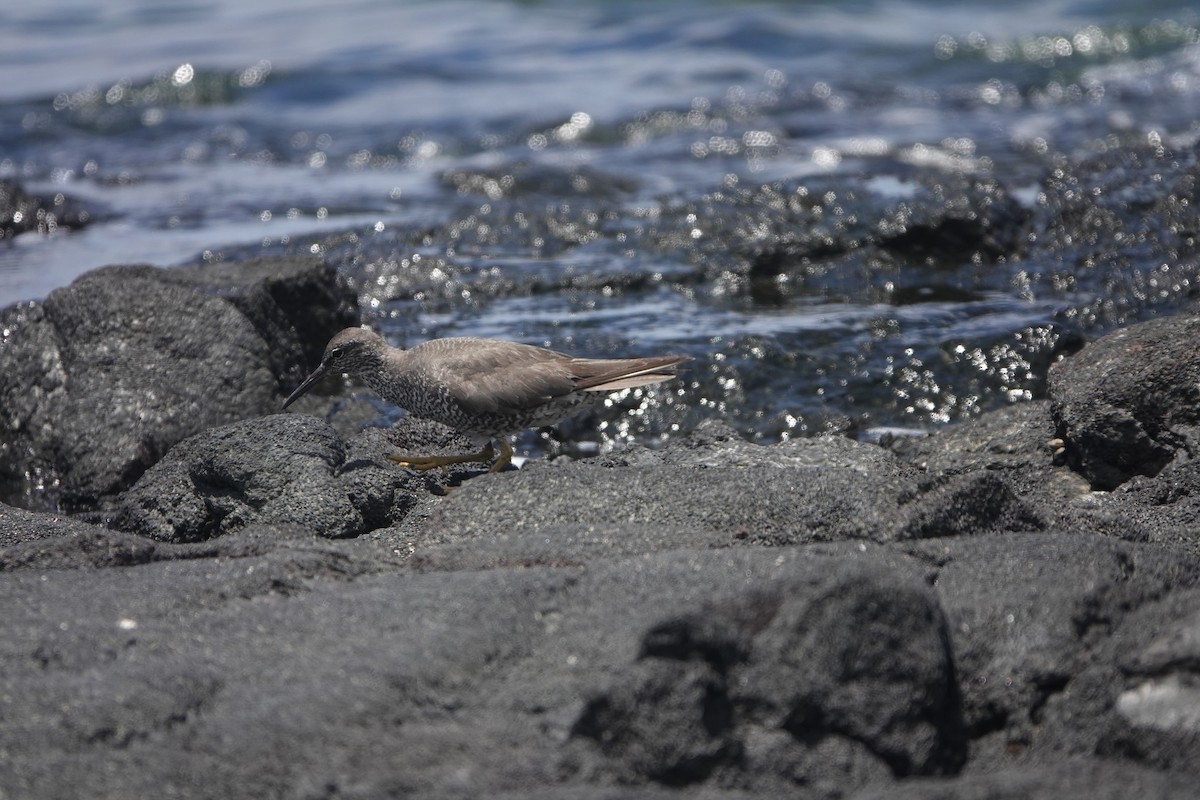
x=486, y=389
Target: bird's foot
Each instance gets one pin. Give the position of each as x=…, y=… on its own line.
x=425, y=463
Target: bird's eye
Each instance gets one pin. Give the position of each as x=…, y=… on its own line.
x=335, y=353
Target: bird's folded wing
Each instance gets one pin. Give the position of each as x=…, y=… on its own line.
x=520, y=388
x=491, y=377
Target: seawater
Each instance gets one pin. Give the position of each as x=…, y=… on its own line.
x=590, y=176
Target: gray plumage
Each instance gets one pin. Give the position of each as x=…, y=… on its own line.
x=484, y=388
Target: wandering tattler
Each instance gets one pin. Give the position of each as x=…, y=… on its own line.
x=484, y=388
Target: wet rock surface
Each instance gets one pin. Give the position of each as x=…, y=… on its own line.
x=271, y=608
x=22, y=212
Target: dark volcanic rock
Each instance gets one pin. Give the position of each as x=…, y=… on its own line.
x=73, y=545
x=981, y=502
x=668, y=721
x=1014, y=442
x=82, y=546
x=863, y=654
x=1027, y=614
x=845, y=659
x=296, y=307
x=1129, y=403
x=289, y=469
x=820, y=236
x=210, y=650
x=527, y=178
x=721, y=490
x=1158, y=713
x=1075, y=779
x=99, y=380
x=789, y=506
x=21, y=212
x=957, y=616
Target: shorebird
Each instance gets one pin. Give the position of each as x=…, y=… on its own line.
x=486, y=389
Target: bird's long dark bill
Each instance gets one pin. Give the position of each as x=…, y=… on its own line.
x=309, y=382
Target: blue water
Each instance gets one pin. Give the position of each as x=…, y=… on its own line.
x=549, y=172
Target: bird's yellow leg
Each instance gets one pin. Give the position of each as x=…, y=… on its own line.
x=423, y=463
x=506, y=454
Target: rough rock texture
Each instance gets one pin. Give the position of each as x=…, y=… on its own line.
x=286, y=613
x=284, y=469
x=1130, y=403
x=1074, y=779
x=102, y=378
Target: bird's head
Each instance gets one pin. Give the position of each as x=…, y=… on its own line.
x=353, y=350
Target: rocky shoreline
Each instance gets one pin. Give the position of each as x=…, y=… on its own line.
x=232, y=602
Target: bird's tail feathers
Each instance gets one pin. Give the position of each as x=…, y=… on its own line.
x=611, y=375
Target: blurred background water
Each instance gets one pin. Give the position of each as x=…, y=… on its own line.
x=857, y=216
